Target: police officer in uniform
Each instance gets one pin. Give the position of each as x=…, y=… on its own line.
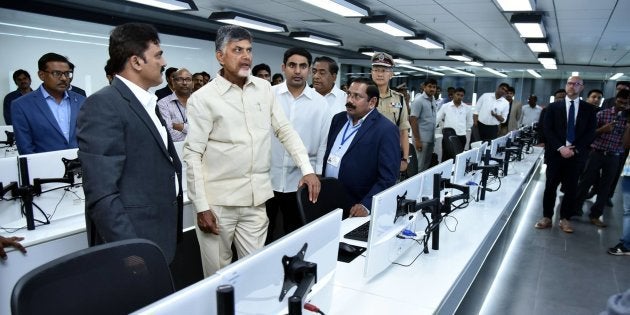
x=392, y=104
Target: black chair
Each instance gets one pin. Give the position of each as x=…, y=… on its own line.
x=113, y=278
x=451, y=145
x=331, y=196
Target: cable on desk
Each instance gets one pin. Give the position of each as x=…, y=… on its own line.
x=446, y=223
x=312, y=308
x=414, y=260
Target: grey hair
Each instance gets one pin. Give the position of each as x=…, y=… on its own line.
x=229, y=33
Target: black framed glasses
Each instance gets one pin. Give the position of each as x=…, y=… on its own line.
x=57, y=74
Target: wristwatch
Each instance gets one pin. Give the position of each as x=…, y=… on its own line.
x=405, y=159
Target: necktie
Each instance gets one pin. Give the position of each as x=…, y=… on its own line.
x=571, y=124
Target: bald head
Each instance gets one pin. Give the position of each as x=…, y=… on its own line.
x=574, y=86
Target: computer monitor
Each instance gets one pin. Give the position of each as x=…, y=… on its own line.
x=445, y=169
x=383, y=246
x=497, y=146
x=199, y=298
x=49, y=165
x=463, y=170
x=258, y=278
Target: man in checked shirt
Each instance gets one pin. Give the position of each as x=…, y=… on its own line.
x=605, y=156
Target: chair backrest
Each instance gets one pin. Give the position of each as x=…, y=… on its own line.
x=113, y=278
x=332, y=195
x=451, y=146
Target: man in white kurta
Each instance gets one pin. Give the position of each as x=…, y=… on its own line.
x=228, y=153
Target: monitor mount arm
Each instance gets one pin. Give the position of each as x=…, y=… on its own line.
x=11, y=187
x=10, y=139
x=300, y=273
x=73, y=168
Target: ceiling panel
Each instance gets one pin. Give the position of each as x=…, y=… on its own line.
x=581, y=32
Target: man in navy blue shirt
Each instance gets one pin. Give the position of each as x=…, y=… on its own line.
x=23, y=81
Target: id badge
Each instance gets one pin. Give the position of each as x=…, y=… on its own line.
x=334, y=160
x=396, y=105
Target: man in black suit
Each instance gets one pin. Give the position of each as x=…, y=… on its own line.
x=569, y=128
x=168, y=89
x=132, y=174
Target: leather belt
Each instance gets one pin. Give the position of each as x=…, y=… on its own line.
x=607, y=153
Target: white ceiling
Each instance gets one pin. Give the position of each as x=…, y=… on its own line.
x=589, y=36
x=586, y=35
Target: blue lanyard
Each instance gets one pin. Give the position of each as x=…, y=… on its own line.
x=343, y=137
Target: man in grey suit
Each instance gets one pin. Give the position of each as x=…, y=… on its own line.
x=132, y=174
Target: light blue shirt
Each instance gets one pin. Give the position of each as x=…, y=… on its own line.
x=342, y=143
x=61, y=111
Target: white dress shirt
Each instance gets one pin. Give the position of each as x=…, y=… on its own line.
x=149, y=103
x=457, y=117
x=337, y=100
x=310, y=116
x=530, y=115
x=488, y=103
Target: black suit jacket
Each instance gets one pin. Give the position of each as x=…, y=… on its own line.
x=130, y=176
x=372, y=162
x=555, y=129
x=163, y=92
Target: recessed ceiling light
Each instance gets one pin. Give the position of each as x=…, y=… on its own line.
x=316, y=38
x=458, y=55
x=528, y=25
x=516, y=5
x=247, y=21
x=495, y=72
x=534, y=73
x=172, y=5
x=537, y=44
x=341, y=7
x=422, y=70
x=616, y=76
x=386, y=25
x=425, y=42
x=458, y=71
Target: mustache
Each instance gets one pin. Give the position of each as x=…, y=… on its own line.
x=349, y=105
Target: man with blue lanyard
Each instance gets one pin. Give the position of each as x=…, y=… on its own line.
x=173, y=107
x=363, y=149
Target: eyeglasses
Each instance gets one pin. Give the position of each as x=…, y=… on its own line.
x=57, y=74
x=180, y=80
x=574, y=84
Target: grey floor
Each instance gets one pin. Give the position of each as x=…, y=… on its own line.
x=551, y=272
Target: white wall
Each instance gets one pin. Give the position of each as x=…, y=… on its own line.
x=25, y=37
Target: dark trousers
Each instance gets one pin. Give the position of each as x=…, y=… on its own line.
x=598, y=162
x=487, y=132
x=285, y=204
x=618, y=173
x=567, y=172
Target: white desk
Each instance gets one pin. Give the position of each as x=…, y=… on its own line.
x=66, y=232
x=437, y=281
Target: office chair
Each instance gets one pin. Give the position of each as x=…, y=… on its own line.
x=332, y=195
x=451, y=145
x=113, y=278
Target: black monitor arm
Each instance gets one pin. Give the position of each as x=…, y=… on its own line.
x=10, y=139
x=12, y=187
x=300, y=273
x=486, y=170
x=73, y=168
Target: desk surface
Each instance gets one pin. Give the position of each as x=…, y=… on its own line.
x=432, y=284
x=426, y=286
